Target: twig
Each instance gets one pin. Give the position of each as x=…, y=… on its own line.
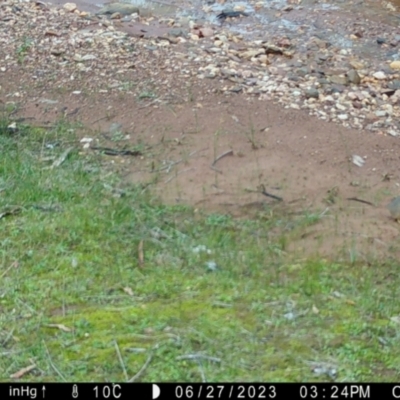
x=261, y=189
x=197, y=356
x=115, y=152
x=51, y=363
x=14, y=264
x=227, y=153
x=324, y=212
x=105, y=117
x=361, y=201
x=179, y=172
x=265, y=193
x=121, y=360
x=271, y=195
x=145, y=365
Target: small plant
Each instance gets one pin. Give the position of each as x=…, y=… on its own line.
x=23, y=49
x=147, y=94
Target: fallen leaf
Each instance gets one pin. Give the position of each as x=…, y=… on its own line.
x=128, y=290
x=22, y=372
x=315, y=309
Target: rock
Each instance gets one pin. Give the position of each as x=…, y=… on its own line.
x=337, y=88
x=380, y=75
x=312, y=93
x=71, y=7
x=395, y=65
x=323, y=81
x=302, y=71
x=357, y=160
x=380, y=40
x=206, y=32
x=340, y=80
x=353, y=77
x=356, y=64
x=394, y=84
x=251, y=53
x=340, y=107
x=122, y=8
x=176, y=32
x=293, y=78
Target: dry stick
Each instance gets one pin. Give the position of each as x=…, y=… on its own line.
x=324, y=212
x=196, y=356
x=106, y=117
x=179, y=172
x=227, y=153
x=271, y=195
x=145, y=365
x=265, y=193
x=51, y=363
x=361, y=201
x=121, y=360
x=5, y=272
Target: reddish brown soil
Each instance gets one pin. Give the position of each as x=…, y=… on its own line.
x=303, y=160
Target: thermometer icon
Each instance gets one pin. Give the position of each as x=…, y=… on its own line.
x=74, y=391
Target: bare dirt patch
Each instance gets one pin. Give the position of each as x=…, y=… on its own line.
x=181, y=125
x=306, y=162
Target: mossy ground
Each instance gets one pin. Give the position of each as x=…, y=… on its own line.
x=71, y=258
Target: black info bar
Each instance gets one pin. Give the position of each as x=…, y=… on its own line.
x=171, y=391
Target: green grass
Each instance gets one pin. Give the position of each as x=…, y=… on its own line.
x=70, y=258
